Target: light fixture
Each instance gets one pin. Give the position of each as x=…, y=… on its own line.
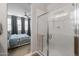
x=25, y=13
x=59, y=15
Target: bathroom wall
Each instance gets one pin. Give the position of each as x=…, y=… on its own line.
x=3, y=21
x=36, y=12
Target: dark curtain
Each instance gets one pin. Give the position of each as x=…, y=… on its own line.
x=29, y=31
x=22, y=25
x=14, y=25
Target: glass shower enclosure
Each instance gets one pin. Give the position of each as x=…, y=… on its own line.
x=56, y=30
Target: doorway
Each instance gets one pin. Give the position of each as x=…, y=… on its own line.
x=19, y=29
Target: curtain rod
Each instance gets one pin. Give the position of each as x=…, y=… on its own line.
x=18, y=16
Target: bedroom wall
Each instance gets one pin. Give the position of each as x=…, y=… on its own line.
x=3, y=21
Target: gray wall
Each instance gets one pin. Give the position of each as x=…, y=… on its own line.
x=3, y=21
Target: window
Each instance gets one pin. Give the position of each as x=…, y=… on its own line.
x=26, y=25
x=9, y=23
x=19, y=24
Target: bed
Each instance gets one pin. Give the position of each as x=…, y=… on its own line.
x=16, y=40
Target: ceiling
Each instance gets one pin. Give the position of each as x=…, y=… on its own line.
x=56, y=7
x=18, y=9
x=60, y=6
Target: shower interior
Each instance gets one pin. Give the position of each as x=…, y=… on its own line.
x=57, y=33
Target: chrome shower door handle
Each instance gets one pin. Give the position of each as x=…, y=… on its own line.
x=1, y=30
x=50, y=36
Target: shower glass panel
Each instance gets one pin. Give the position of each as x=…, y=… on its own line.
x=42, y=34
x=61, y=32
